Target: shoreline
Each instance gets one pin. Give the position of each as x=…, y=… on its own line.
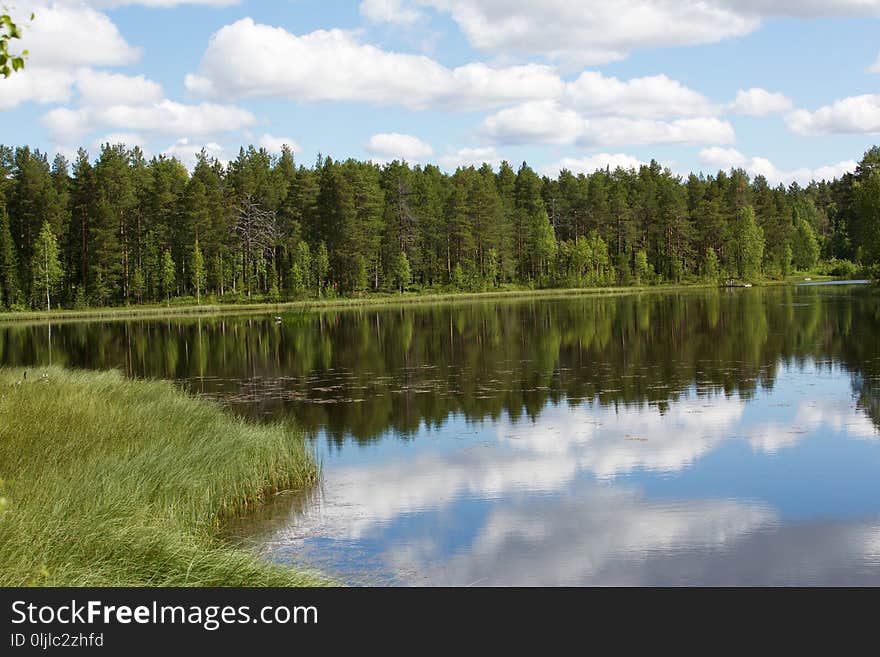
x=366, y=302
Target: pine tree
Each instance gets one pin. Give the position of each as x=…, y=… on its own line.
x=8, y=262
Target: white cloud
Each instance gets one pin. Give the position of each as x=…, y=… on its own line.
x=760, y=102
x=541, y=122
x=592, y=163
x=728, y=158
x=130, y=139
x=187, y=152
x=466, y=157
x=38, y=85
x=247, y=59
x=398, y=146
x=156, y=4
x=609, y=29
x=71, y=35
x=274, y=144
x=723, y=158
x=618, y=131
x=855, y=114
x=166, y=117
x=654, y=96
x=103, y=88
x=396, y=12
x=547, y=122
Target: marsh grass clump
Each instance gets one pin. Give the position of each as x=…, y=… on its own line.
x=115, y=482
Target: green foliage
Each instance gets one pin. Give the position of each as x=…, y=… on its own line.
x=711, y=266
x=804, y=246
x=296, y=281
x=544, y=240
x=402, y=274
x=46, y=265
x=10, y=62
x=623, y=269
x=457, y=278
x=321, y=264
x=492, y=268
x=8, y=262
x=747, y=244
x=169, y=275
x=115, y=482
x=643, y=270
x=360, y=281
x=197, y=271
x=303, y=260
x=866, y=195
x=342, y=225
x=138, y=284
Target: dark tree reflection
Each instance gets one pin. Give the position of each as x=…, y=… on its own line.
x=362, y=373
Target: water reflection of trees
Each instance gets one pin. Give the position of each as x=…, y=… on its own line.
x=365, y=372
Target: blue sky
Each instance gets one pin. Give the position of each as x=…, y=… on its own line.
x=459, y=81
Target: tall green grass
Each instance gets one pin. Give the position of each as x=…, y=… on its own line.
x=114, y=482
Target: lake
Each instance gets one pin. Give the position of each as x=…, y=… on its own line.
x=693, y=438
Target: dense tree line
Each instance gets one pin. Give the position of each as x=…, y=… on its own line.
x=123, y=229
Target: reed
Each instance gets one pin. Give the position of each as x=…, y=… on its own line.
x=115, y=482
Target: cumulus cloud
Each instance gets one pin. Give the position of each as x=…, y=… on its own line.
x=593, y=163
x=542, y=122
x=654, y=96
x=396, y=12
x=467, y=157
x=103, y=88
x=187, y=151
x=130, y=139
x=275, y=144
x=247, y=59
x=69, y=35
x=760, y=102
x=159, y=4
x=728, y=158
x=165, y=117
x=547, y=122
x=560, y=29
x=394, y=145
x=855, y=114
x=36, y=85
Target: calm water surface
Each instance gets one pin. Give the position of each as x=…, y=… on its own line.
x=720, y=437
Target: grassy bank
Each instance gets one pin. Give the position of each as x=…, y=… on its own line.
x=367, y=301
x=113, y=482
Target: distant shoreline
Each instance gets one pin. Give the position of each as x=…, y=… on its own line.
x=377, y=300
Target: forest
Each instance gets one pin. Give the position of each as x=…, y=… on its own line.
x=122, y=229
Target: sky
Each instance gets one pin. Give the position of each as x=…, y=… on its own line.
x=789, y=89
